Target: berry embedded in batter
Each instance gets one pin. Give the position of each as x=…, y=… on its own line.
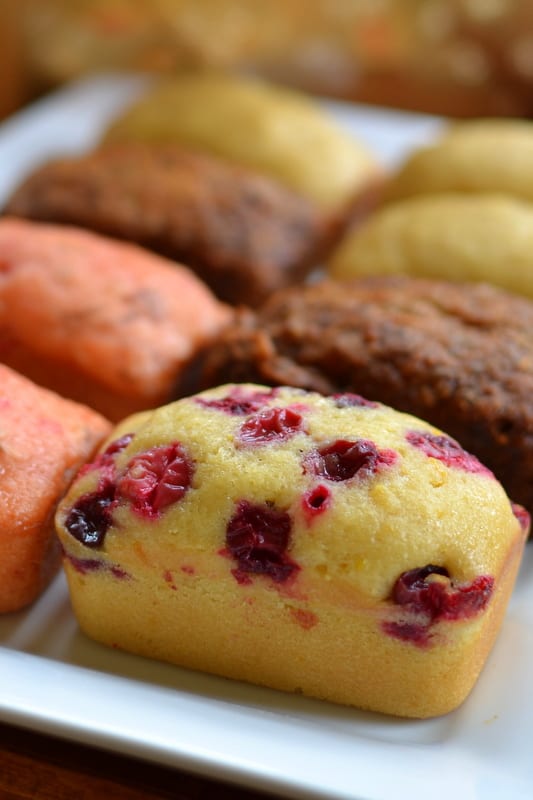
x=271, y=425
x=257, y=537
x=316, y=500
x=155, y=479
x=344, y=459
x=106, y=460
x=429, y=590
x=428, y=593
x=446, y=450
x=522, y=516
x=239, y=402
x=90, y=517
x=351, y=400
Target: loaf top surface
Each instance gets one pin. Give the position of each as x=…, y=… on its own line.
x=112, y=308
x=274, y=130
x=292, y=487
x=486, y=155
x=451, y=236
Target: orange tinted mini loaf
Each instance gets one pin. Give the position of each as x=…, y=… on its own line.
x=102, y=322
x=328, y=545
x=43, y=441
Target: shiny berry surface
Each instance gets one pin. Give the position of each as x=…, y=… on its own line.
x=90, y=517
x=156, y=479
x=343, y=459
x=271, y=425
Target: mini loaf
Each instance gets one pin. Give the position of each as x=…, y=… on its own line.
x=474, y=157
x=487, y=238
x=277, y=131
x=327, y=545
x=460, y=356
x=44, y=439
x=101, y=322
x=243, y=233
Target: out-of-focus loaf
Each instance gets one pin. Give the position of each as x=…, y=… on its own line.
x=327, y=545
x=243, y=233
x=460, y=356
x=475, y=157
x=465, y=238
x=44, y=439
x=277, y=131
x=102, y=322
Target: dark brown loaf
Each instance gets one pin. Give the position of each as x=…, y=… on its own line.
x=244, y=234
x=460, y=356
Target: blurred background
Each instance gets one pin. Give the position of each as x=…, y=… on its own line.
x=456, y=57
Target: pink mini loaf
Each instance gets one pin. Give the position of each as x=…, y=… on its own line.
x=44, y=439
x=101, y=322
x=327, y=545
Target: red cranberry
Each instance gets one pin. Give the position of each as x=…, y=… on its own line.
x=106, y=460
x=522, y=516
x=316, y=500
x=351, y=400
x=257, y=537
x=90, y=517
x=156, y=479
x=446, y=450
x=413, y=632
x=343, y=459
x=441, y=599
x=239, y=402
x=272, y=424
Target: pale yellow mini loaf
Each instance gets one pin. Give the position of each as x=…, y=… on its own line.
x=476, y=238
x=478, y=156
x=277, y=131
x=327, y=545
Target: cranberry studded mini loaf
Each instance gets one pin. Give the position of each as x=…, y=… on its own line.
x=44, y=439
x=328, y=545
x=101, y=322
x=243, y=233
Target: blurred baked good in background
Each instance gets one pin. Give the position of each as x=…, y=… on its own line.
x=456, y=57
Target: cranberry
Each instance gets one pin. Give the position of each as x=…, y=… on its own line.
x=87, y=565
x=272, y=424
x=408, y=631
x=343, y=459
x=351, y=400
x=522, y=516
x=446, y=450
x=90, y=517
x=239, y=402
x=441, y=599
x=106, y=459
x=257, y=537
x=316, y=500
x=156, y=478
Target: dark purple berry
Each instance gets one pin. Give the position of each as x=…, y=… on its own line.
x=257, y=537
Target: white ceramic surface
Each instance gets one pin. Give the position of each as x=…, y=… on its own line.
x=53, y=679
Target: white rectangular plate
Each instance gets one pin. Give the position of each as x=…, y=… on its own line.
x=53, y=679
